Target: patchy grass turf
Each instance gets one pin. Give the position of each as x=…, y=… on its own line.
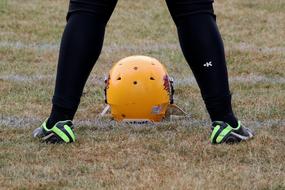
x=169, y=155
x=165, y=157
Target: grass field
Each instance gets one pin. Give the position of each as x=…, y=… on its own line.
x=167, y=155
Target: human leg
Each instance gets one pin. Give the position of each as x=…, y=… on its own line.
x=80, y=48
x=203, y=49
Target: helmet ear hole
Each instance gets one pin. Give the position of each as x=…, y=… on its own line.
x=135, y=82
x=151, y=78
x=119, y=78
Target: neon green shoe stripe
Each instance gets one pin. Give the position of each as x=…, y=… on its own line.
x=216, y=129
x=67, y=128
x=44, y=125
x=60, y=134
x=226, y=131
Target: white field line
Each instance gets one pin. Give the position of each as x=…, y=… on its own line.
x=244, y=47
x=10, y=121
x=249, y=79
x=47, y=78
x=34, y=46
x=24, y=78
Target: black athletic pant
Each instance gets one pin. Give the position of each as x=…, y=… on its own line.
x=199, y=38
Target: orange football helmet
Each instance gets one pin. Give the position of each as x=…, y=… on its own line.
x=138, y=89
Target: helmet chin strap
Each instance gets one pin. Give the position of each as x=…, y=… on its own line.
x=178, y=108
x=181, y=114
x=105, y=110
x=177, y=116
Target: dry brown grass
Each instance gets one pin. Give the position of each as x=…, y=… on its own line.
x=169, y=155
x=165, y=157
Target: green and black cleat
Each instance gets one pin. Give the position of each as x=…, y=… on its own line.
x=224, y=133
x=61, y=132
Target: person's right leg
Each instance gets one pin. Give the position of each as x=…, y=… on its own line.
x=80, y=47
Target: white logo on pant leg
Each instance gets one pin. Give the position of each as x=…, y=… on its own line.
x=208, y=64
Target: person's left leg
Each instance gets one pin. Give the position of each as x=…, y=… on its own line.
x=203, y=49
